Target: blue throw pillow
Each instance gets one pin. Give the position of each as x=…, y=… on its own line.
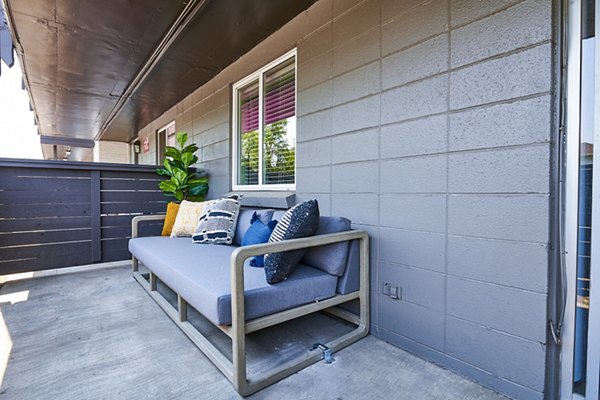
x=258, y=233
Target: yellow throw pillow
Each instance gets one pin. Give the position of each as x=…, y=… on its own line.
x=187, y=218
x=172, y=209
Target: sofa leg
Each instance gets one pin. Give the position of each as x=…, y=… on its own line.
x=182, y=306
x=135, y=265
x=152, y=281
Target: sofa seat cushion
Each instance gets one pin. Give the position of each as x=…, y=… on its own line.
x=201, y=275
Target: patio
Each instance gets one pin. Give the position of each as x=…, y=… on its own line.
x=96, y=334
x=454, y=133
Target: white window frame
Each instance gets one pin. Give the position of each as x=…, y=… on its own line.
x=258, y=75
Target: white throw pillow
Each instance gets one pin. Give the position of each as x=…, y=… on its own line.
x=187, y=218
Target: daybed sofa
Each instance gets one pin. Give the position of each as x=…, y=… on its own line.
x=217, y=281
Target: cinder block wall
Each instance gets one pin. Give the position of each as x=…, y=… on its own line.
x=111, y=152
x=428, y=123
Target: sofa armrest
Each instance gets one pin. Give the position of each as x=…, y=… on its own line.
x=245, y=252
x=140, y=218
x=238, y=312
x=239, y=255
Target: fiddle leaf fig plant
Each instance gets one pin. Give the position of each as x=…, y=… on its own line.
x=182, y=183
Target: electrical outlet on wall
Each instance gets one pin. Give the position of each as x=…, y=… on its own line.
x=394, y=292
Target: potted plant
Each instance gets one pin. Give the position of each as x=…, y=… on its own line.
x=182, y=183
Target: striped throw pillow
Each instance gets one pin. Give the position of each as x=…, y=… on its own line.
x=217, y=224
x=302, y=220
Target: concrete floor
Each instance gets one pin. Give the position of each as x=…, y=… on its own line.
x=98, y=335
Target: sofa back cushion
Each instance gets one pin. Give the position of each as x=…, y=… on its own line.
x=333, y=257
x=265, y=215
x=350, y=281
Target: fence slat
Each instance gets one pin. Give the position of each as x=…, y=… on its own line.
x=42, y=237
x=121, y=231
x=44, y=210
x=52, y=173
x=37, y=224
x=128, y=184
x=133, y=197
x=12, y=197
x=44, y=184
x=121, y=208
x=48, y=250
x=39, y=264
x=126, y=174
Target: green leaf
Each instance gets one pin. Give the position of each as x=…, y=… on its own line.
x=192, y=148
x=181, y=177
x=172, y=152
x=163, y=172
x=178, y=165
x=197, y=181
x=187, y=158
x=181, y=138
x=168, y=186
x=179, y=195
x=197, y=190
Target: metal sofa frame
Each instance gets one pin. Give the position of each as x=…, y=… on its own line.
x=236, y=370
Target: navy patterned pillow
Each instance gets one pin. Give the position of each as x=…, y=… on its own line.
x=217, y=223
x=302, y=220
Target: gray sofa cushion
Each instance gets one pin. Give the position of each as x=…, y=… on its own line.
x=331, y=258
x=278, y=214
x=243, y=223
x=350, y=281
x=201, y=275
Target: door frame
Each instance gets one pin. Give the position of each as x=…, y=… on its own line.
x=571, y=197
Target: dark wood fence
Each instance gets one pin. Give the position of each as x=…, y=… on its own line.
x=56, y=214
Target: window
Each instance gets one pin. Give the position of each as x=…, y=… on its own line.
x=264, y=124
x=165, y=137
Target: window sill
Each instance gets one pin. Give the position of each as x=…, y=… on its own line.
x=268, y=199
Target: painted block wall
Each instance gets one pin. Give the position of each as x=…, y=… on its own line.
x=428, y=123
x=111, y=152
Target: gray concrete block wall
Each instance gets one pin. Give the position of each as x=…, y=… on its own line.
x=428, y=123
x=453, y=98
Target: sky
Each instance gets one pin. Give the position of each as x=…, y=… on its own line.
x=18, y=133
